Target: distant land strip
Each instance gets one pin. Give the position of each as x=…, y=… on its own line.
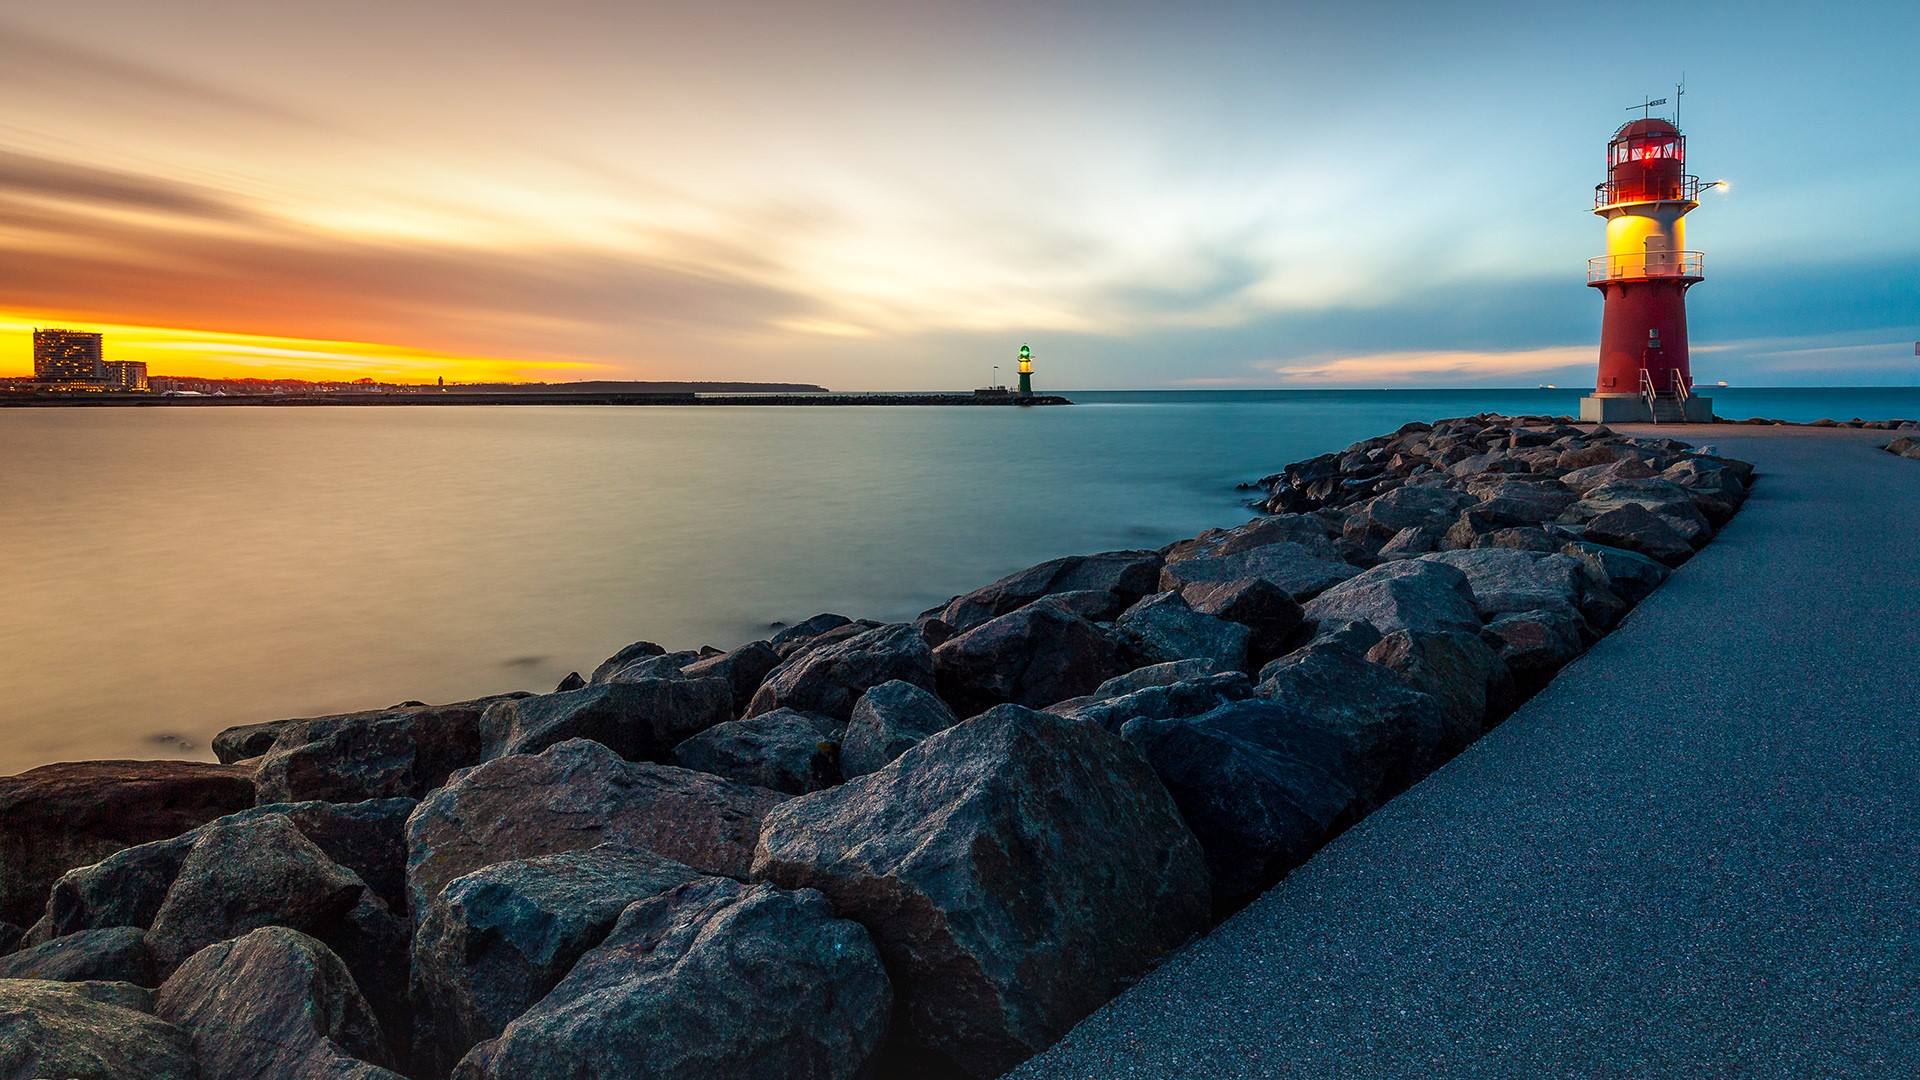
x=464, y=397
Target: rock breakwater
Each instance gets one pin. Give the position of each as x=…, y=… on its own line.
x=851, y=849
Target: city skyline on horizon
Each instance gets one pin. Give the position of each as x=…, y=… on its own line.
x=870, y=199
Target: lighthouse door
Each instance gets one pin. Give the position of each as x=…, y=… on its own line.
x=1659, y=256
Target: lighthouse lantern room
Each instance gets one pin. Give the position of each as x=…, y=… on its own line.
x=1644, y=278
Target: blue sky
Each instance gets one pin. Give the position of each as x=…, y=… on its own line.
x=895, y=196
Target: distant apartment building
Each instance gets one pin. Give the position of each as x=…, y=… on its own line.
x=67, y=356
x=126, y=374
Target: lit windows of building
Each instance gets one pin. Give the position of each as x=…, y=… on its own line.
x=126, y=375
x=67, y=356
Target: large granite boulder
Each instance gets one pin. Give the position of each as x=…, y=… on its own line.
x=1299, y=571
x=87, y=1031
x=405, y=751
x=1637, y=529
x=576, y=795
x=128, y=887
x=1459, y=671
x=1627, y=465
x=783, y=750
x=1129, y=575
x=1257, y=810
x=1163, y=628
x=1505, y=580
x=1535, y=644
x=803, y=634
x=1906, y=446
x=665, y=666
x=1306, y=530
x=1388, y=734
x=495, y=941
x=274, y=1003
x=711, y=979
x=1413, y=506
x=1664, y=499
x=1016, y=870
x=1408, y=595
x=1627, y=574
x=830, y=679
x=1140, y=678
x=1270, y=612
x=57, y=817
x=1509, y=503
x=744, y=669
x=639, y=650
x=113, y=954
x=1034, y=656
x=889, y=720
x=1189, y=698
x=642, y=720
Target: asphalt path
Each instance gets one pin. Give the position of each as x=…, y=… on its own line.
x=1696, y=853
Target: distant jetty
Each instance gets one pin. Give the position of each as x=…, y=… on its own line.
x=541, y=397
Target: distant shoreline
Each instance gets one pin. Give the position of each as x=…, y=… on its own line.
x=430, y=398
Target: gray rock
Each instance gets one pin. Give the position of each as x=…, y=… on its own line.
x=10, y=936
x=1189, y=698
x=1299, y=571
x=1155, y=675
x=744, y=668
x=398, y=752
x=1905, y=446
x=793, y=638
x=1413, y=541
x=1162, y=628
x=245, y=874
x=665, y=666
x=1519, y=539
x=495, y=941
x=1511, y=503
x=1306, y=530
x=639, y=650
x=1257, y=811
x=275, y=1003
x=1388, y=735
x=1664, y=499
x=128, y=887
x=115, y=954
x=830, y=679
x=1635, y=528
x=1468, y=679
x=712, y=979
x=1015, y=870
x=573, y=681
x=1127, y=574
x=783, y=750
x=1261, y=606
x=889, y=720
x=1033, y=656
x=57, y=817
x=1627, y=466
x=1505, y=580
x=1535, y=644
x=1630, y=575
x=641, y=720
x=1408, y=595
x=58, y=1030
x=576, y=795
x=1410, y=507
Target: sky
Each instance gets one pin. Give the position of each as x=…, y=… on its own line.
x=897, y=196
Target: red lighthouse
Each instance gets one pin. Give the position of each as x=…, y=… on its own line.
x=1644, y=278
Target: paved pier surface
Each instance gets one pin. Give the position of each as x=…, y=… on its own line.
x=1695, y=854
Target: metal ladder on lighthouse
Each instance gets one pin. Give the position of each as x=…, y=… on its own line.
x=1668, y=407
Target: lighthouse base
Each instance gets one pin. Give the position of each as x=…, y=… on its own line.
x=1633, y=409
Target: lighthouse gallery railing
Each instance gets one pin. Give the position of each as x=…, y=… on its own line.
x=1646, y=264
x=1619, y=193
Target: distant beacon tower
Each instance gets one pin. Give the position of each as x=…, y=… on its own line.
x=1026, y=371
x=1644, y=278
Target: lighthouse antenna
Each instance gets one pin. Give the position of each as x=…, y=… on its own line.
x=1679, y=91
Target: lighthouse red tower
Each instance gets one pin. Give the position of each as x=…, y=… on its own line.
x=1644, y=277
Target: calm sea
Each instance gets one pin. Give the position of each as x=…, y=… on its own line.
x=170, y=572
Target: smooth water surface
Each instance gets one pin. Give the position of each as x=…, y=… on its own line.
x=175, y=571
